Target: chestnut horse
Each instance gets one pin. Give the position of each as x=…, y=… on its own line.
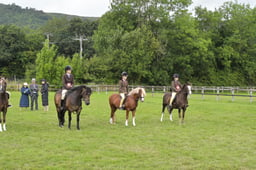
x=180, y=102
x=3, y=104
x=72, y=103
x=130, y=103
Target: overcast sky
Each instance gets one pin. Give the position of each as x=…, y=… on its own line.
x=96, y=8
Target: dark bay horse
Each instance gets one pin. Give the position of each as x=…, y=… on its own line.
x=130, y=103
x=3, y=104
x=180, y=102
x=72, y=103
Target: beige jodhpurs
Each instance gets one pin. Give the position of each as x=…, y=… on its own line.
x=122, y=99
x=172, y=98
x=63, y=93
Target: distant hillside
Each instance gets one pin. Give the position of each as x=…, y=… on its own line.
x=29, y=17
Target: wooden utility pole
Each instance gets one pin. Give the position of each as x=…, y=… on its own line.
x=48, y=37
x=81, y=39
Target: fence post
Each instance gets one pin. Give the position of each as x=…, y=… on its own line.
x=98, y=89
x=250, y=95
x=202, y=91
x=233, y=94
x=106, y=90
x=218, y=93
x=164, y=89
x=152, y=91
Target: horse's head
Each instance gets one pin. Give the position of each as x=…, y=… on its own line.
x=142, y=94
x=86, y=93
x=188, y=88
x=3, y=85
x=139, y=92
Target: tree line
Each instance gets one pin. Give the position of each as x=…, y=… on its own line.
x=150, y=39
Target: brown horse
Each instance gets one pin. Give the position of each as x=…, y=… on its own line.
x=3, y=103
x=130, y=103
x=180, y=102
x=72, y=103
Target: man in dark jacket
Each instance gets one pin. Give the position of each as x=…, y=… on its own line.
x=34, y=94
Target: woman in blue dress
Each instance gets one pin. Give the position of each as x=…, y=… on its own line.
x=24, y=99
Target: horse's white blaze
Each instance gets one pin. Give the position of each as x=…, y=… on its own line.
x=1, y=127
x=142, y=98
x=111, y=121
x=126, y=122
x=189, y=89
x=133, y=121
x=4, y=127
x=162, y=116
x=170, y=117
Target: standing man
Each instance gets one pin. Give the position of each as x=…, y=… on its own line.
x=34, y=94
x=68, y=83
x=44, y=92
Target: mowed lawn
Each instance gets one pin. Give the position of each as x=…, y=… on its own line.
x=216, y=135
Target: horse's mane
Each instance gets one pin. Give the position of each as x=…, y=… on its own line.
x=136, y=91
x=77, y=88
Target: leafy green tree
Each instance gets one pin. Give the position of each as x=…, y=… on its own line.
x=50, y=66
x=12, y=48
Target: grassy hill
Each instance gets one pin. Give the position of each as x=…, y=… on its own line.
x=29, y=17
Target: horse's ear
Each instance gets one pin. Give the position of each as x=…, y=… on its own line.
x=188, y=83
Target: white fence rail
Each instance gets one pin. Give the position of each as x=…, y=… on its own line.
x=202, y=90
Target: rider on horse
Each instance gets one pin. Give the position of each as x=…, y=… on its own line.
x=68, y=83
x=123, y=88
x=175, y=87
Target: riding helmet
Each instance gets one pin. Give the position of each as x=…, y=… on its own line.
x=124, y=73
x=175, y=75
x=68, y=68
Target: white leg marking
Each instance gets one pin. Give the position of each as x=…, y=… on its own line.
x=133, y=121
x=162, y=117
x=111, y=121
x=126, y=123
x=1, y=127
x=170, y=117
x=4, y=127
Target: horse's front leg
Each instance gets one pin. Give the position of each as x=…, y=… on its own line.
x=170, y=112
x=0, y=123
x=182, y=116
x=59, y=117
x=4, y=119
x=127, y=117
x=62, y=117
x=69, y=119
x=133, y=118
x=162, y=116
x=112, y=115
x=78, y=120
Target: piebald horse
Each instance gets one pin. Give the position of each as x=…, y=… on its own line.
x=130, y=103
x=180, y=102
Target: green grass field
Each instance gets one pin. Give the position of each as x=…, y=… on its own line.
x=216, y=135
